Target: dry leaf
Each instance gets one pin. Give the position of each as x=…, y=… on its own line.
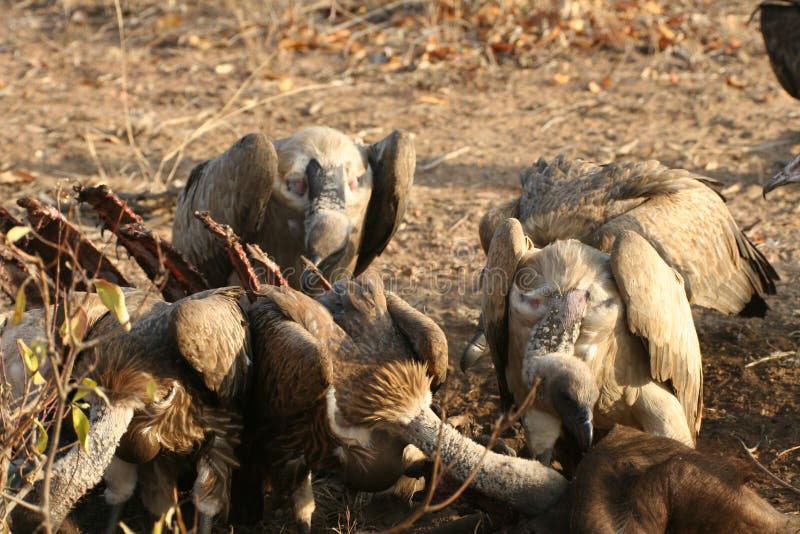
x=735, y=82
x=594, y=87
x=224, y=68
x=285, y=84
x=560, y=78
x=16, y=176
x=431, y=99
x=167, y=22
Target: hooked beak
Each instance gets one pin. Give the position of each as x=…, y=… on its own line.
x=789, y=175
x=476, y=348
x=579, y=424
x=327, y=227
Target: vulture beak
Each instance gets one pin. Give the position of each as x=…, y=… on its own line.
x=475, y=349
x=789, y=175
x=327, y=227
x=578, y=421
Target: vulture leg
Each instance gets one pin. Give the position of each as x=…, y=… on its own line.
x=476, y=348
x=120, y=479
x=661, y=414
x=212, y=485
x=303, y=502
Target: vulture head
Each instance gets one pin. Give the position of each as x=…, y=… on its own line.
x=323, y=173
x=316, y=194
x=608, y=338
x=789, y=175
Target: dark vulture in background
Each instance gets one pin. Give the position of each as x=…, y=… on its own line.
x=683, y=219
x=780, y=27
x=316, y=193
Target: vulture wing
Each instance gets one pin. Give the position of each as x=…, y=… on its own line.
x=291, y=349
x=508, y=246
x=693, y=231
x=392, y=160
x=212, y=335
x=686, y=221
x=658, y=311
x=493, y=218
x=425, y=336
x=234, y=187
x=780, y=27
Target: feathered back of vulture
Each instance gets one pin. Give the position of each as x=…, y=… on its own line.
x=677, y=212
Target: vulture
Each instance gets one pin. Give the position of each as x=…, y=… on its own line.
x=630, y=482
x=676, y=211
x=176, y=382
x=315, y=194
x=313, y=359
x=623, y=316
x=780, y=27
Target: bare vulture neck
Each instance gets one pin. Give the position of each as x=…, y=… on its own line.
x=527, y=485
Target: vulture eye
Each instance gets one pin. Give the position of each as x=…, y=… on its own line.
x=534, y=302
x=298, y=186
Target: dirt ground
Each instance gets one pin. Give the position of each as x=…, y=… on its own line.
x=198, y=77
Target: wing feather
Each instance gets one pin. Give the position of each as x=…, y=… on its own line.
x=393, y=160
x=235, y=188
x=507, y=248
x=212, y=335
x=658, y=311
x=426, y=338
x=293, y=365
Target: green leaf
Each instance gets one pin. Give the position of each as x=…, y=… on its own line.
x=81, y=425
x=17, y=233
x=20, y=304
x=28, y=357
x=114, y=299
x=86, y=386
x=41, y=441
x=158, y=526
x=78, y=325
x=151, y=389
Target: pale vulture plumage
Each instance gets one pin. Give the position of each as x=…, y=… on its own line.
x=676, y=211
x=624, y=315
x=316, y=193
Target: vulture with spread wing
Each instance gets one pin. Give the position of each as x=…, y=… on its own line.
x=315, y=194
x=623, y=315
x=685, y=221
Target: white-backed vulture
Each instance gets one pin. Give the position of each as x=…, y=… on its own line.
x=312, y=360
x=676, y=211
x=624, y=315
x=316, y=193
x=176, y=381
x=630, y=482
